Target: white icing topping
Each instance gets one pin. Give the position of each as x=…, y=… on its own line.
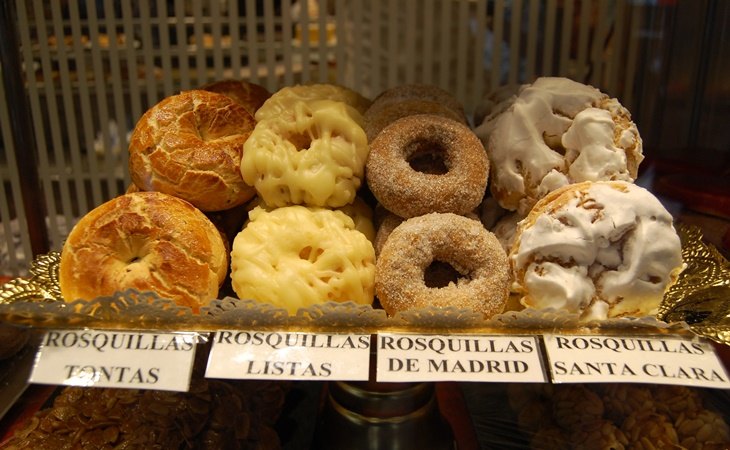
x=559, y=287
x=556, y=132
x=605, y=249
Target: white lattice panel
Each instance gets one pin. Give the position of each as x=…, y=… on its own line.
x=92, y=68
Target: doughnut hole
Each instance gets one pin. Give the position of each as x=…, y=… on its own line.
x=310, y=254
x=301, y=141
x=427, y=156
x=440, y=274
x=133, y=251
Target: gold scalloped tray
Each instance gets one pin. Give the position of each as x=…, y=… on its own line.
x=699, y=302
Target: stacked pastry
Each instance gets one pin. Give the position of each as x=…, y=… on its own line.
x=582, y=237
x=617, y=416
x=207, y=161
x=184, y=161
x=212, y=415
x=309, y=239
x=280, y=176
x=428, y=172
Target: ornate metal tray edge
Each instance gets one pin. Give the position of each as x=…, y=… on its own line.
x=699, y=301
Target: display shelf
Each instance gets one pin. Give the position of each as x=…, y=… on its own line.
x=478, y=415
x=469, y=48
x=696, y=302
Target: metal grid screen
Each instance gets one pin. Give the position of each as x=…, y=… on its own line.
x=91, y=68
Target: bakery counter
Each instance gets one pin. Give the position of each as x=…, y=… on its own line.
x=210, y=414
x=392, y=311
x=296, y=414
x=464, y=398
x=696, y=301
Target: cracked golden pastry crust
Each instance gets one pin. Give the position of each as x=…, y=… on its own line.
x=148, y=241
x=190, y=145
x=600, y=249
x=249, y=95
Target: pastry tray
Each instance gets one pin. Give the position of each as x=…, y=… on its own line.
x=698, y=303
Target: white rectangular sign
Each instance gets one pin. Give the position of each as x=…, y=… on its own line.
x=418, y=357
x=280, y=355
x=116, y=359
x=634, y=359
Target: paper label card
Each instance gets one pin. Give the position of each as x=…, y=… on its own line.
x=634, y=359
x=419, y=357
x=280, y=355
x=115, y=359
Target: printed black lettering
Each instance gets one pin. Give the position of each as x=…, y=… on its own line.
x=137, y=377
x=699, y=374
x=52, y=339
x=223, y=337
x=387, y=343
x=99, y=341
x=325, y=369
x=274, y=340
x=437, y=345
x=494, y=366
x=250, y=368
x=627, y=370
x=476, y=366
x=437, y=366
x=257, y=338
x=69, y=339
x=105, y=373
x=364, y=342
x=559, y=368
x=563, y=343
x=699, y=349
x=527, y=345
x=650, y=369
x=71, y=370
x=395, y=365
x=309, y=371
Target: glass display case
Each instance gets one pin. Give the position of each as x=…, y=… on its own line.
x=137, y=369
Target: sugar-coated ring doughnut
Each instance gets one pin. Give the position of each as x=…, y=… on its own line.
x=414, y=246
x=419, y=91
x=295, y=256
x=408, y=192
x=388, y=222
x=315, y=156
x=410, y=99
x=378, y=117
x=189, y=145
x=148, y=241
